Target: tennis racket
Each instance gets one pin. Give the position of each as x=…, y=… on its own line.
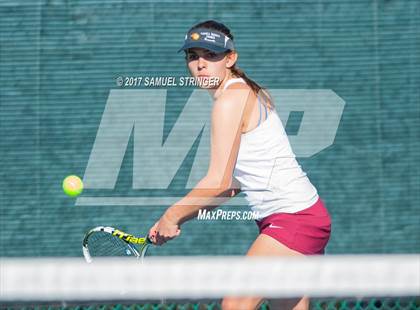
x=103, y=241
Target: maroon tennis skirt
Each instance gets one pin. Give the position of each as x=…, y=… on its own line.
x=306, y=231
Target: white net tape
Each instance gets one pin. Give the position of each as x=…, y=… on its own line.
x=209, y=277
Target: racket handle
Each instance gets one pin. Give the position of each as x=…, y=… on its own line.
x=148, y=240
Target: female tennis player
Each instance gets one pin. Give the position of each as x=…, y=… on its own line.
x=250, y=152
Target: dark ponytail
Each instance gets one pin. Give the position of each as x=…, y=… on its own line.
x=257, y=89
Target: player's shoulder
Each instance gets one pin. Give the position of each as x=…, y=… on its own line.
x=235, y=94
x=235, y=87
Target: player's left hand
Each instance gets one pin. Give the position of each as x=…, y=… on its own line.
x=163, y=231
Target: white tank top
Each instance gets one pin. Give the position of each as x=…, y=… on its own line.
x=266, y=167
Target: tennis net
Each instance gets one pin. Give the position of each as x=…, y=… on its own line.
x=332, y=282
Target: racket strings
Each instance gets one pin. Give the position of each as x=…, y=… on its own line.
x=105, y=244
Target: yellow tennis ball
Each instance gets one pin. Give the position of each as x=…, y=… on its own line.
x=73, y=185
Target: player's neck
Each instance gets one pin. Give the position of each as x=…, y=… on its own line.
x=216, y=92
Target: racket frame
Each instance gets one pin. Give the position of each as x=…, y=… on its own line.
x=128, y=238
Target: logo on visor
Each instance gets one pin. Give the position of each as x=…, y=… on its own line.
x=195, y=36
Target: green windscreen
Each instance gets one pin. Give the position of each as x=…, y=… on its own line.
x=355, y=65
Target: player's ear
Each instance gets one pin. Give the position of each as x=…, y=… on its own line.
x=232, y=57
